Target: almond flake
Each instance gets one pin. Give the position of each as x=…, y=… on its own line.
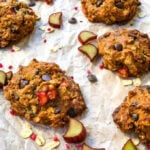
x=43, y=28
x=38, y=17
x=16, y=48
x=135, y=140
x=26, y=132
x=137, y=82
x=52, y=145
x=27, y=125
x=126, y=82
x=40, y=140
x=141, y=14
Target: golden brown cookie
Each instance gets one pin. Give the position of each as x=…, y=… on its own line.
x=17, y=20
x=126, y=52
x=134, y=113
x=42, y=93
x=109, y=11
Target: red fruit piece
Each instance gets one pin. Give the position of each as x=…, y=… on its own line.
x=43, y=98
x=86, y=36
x=75, y=133
x=89, y=50
x=123, y=72
x=55, y=20
x=33, y=136
x=52, y=94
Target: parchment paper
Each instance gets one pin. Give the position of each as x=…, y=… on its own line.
x=101, y=97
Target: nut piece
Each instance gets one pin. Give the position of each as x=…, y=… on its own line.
x=52, y=145
x=141, y=14
x=137, y=82
x=127, y=82
x=26, y=132
x=38, y=17
x=135, y=140
x=16, y=48
x=40, y=140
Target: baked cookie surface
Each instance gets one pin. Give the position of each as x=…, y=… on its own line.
x=109, y=11
x=133, y=114
x=17, y=20
x=126, y=52
x=42, y=93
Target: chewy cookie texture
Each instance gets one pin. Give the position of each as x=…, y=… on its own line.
x=127, y=52
x=17, y=20
x=133, y=113
x=109, y=11
x=42, y=93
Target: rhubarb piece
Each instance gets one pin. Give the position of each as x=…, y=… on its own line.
x=86, y=37
x=75, y=133
x=89, y=50
x=43, y=98
x=87, y=147
x=129, y=145
x=55, y=20
x=2, y=78
x=123, y=72
x=9, y=75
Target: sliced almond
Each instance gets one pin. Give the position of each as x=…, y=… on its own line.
x=16, y=48
x=137, y=82
x=26, y=132
x=135, y=140
x=127, y=82
x=141, y=14
x=52, y=145
x=40, y=140
x=27, y=125
x=38, y=17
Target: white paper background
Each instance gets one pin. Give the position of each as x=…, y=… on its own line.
x=101, y=98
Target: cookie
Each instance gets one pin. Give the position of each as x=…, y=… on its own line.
x=126, y=52
x=133, y=114
x=109, y=11
x=17, y=20
x=42, y=93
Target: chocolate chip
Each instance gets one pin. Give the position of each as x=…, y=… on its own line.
x=135, y=117
x=57, y=109
x=92, y=78
x=71, y=112
x=15, y=8
x=32, y=3
x=72, y=20
x=14, y=31
x=132, y=35
x=99, y=3
x=119, y=4
x=134, y=104
x=23, y=83
x=46, y=77
x=118, y=47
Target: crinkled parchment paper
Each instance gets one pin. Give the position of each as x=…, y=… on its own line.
x=101, y=97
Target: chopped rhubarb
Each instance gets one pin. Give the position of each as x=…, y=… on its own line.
x=43, y=98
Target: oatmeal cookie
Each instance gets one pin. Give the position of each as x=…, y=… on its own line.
x=42, y=93
x=109, y=11
x=17, y=20
x=134, y=113
x=126, y=52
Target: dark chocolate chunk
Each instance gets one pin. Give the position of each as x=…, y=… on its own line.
x=23, y=83
x=135, y=117
x=71, y=112
x=72, y=20
x=57, y=109
x=134, y=104
x=99, y=3
x=46, y=77
x=119, y=4
x=92, y=78
x=118, y=47
x=15, y=8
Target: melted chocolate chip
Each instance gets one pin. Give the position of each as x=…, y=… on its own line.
x=71, y=112
x=119, y=4
x=72, y=20
x=46, y=77
x=57, y=109
x=134, y=104
x=32, y=3
x=135, y=117
x=99, y=3
x=118, y=47
x=23, y=83
x=92, y=78
x=14, y=31
x=15, y=8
